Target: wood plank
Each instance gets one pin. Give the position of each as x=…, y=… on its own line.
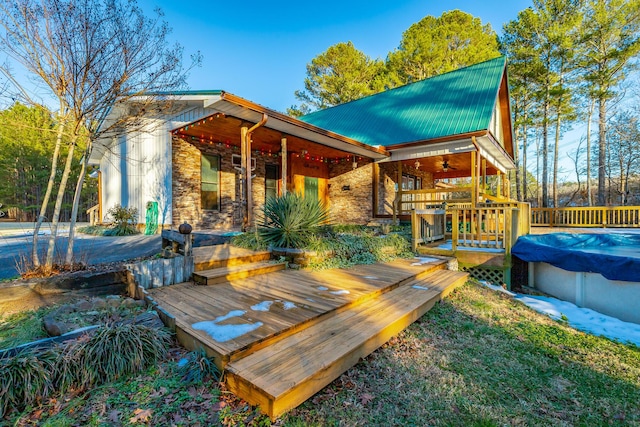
x=284, y=375
x=237, y=272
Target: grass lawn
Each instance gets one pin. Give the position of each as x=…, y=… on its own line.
x=478, y=358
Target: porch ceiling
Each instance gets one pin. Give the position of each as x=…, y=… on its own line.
x=236, y=112
x=222, y=129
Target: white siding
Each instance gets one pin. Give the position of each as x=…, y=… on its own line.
x=137, y=167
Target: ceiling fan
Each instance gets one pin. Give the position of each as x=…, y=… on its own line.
x=446, y=166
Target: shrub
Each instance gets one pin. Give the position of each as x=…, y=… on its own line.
x=112, y=352
x=196, y=367
x=124, y=220
x=289, y=221
x=24, y=379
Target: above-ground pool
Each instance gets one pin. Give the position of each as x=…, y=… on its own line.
x=598, y=271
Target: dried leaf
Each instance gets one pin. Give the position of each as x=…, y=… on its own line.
x=141, y=416
x=114, y=416
x=366, y=398
x=218, y=406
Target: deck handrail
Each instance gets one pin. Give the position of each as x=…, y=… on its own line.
x=494, y=226
x=587, y=216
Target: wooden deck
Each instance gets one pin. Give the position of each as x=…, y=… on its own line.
x=253, y=325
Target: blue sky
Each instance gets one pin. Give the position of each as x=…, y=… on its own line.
x=258, y=49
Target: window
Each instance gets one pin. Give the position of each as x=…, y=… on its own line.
x=271, y=181
x=210, y=180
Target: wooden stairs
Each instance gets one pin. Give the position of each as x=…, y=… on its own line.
x=283, y=375
x=236, y=272
x=304, y=350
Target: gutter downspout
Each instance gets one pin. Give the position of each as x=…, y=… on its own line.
x=245, y=136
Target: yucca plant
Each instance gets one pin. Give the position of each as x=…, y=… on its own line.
x=291, y=219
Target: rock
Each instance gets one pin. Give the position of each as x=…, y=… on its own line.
x=128, y=302
x=114, y=302
x=99, y=303
x=113, y=297
x=65, y=309
x=83, y=306
x=54, y=327
x=141, y=303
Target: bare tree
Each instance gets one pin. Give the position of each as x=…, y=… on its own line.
x=93, y=56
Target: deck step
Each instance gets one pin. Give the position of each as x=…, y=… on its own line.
x=285, y=374
x=236, y=272
x=208, y=258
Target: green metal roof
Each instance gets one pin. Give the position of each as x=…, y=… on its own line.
x=453, y=103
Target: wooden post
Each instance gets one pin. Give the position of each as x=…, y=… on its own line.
x=455, y=229
x=398, y=200
x=376, y=184
x=283, y=157
x=246, y=175
x=415, y=234
x=474, y=180
x=498, y=184
x=484, y=176
x=99, y=197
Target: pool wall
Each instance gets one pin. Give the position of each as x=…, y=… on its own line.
x=617, y=298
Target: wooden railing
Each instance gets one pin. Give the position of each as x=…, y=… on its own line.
x=94, y=214
x=407, y=200
x=427, y=225
x=488, y=226
x=595, y=216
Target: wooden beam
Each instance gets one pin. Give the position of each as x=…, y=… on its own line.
x=245, y=175
x=474, y=179
x=283, y=156
x=376, y=185
x=99, y=197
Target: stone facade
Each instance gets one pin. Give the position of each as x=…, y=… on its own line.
x=351, y=192
x=187, y=182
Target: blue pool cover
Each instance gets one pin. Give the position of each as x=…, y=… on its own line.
x=615, y=256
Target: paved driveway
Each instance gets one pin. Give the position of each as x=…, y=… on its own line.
x=16, y=244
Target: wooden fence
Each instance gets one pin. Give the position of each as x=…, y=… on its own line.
x=155, y=273
x=595, y=216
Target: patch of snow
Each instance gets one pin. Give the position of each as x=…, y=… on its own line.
x=424, y=288
x=322, y=288
x=371, y=277
x=263, y=306
x=288, y=305
x=424, y=260
x=340, y=292
x=310, y=299
x=584, y=319
x=497, y=288
x=223, y=333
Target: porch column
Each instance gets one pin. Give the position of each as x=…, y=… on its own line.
x=283, y=156
x=474, y=179
x=499, y=184
x=397, y=201
x=484, y=176
x=245, y=162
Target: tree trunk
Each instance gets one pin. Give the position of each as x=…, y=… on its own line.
x=545, y=156
x=602, y=150
x=555, y=160
x=590, y=114
x=525, y=131
x=58, y=206
x=517, y=160
x=47, y=194
x=76, y=203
